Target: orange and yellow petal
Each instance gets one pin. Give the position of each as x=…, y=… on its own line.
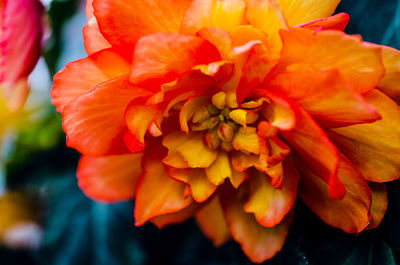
x=258, y=242
x=157, y=194
x=301, y=11
x=390, y=82
x=223, y=14
x=351, y=213
x=374, y=147
x=269, y=204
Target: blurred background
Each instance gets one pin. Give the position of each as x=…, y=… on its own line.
x=45, y=218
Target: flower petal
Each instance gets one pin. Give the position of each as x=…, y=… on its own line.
x=358, y=62
x=379, y=204
x=317, y=151
x=336, y=22
x=258, y=242
x=325, y=95
x=139, y=118
x=374, y=148
x=92, y=37
x=109, y=178
x=390, y=82
x=223, y=14
x=301, y=11
x=201, y=188
x=218, y=171
x=157, y=194
x=124, y=22
x=211, y=221
x=195, y=153
x=350, y=213
x=21, y=36
x=268, y=17
x=189, y=109
x=94, y=122
x=175, y=218
x=165, y=56
x=247, y=140
x=85, y=74
x=269, y=204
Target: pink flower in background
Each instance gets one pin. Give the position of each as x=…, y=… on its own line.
x=20, y=45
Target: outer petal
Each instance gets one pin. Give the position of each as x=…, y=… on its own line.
x=258, y=242
x=318, y=152
x=336, y=22
x=358, y=62
x=157, y=194
x=211, y=221
x=374, y=148
x=124, y=22
x=92, y=38
x=109, y=178
x=224, y=14
x=201, y=189
x=175, y=218
x=85, y=74
x=379, y=204
x=325, y=95
x=164, y=56
x=94, y=122
x=20, y=39
x=349, y=214
x=269, y=204
x=301, y=11
x=390, y=82
x=89, y=9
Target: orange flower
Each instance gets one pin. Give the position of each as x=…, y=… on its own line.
x=271, y=95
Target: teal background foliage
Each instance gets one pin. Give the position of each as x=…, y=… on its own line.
x=78, y=231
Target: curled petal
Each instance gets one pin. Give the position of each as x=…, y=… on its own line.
x=109, y=178
x=269, y=204
x=92, y=38
x=165, y=56
x=157, y=194
x=201, y=188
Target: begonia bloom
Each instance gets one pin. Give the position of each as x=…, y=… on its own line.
x=230, y=110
